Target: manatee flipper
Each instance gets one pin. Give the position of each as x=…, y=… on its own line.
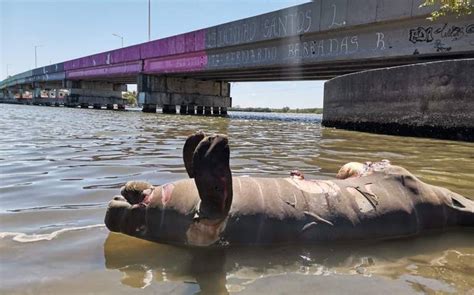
x=132, y=191
x=188, y=151
x=213, y=177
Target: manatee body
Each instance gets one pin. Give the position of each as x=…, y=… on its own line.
x=385, y=204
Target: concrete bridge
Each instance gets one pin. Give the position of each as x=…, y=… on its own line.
x=314, y=41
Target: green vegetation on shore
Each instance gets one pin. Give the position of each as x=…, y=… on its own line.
x=282, y=110
x=131, y=96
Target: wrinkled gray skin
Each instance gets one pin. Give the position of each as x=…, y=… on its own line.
x=386, y=204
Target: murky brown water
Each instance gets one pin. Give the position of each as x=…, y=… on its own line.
x=60, y=167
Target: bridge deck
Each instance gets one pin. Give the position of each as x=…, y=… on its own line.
x=317, y=40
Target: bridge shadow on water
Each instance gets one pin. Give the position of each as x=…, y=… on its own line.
x=429, y=263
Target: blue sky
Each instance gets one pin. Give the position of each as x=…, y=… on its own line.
x=67, y=29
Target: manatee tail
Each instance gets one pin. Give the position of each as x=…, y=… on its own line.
x=188, y=151
x=213, y=177
x=464, y=209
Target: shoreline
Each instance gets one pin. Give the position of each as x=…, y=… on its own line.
x=317, y=111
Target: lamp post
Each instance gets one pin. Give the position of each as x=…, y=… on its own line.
x=36, y=55
x=121, y=37
x=8, y=65
x=149, y=20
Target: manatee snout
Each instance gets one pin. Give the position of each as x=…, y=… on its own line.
x=116, y=212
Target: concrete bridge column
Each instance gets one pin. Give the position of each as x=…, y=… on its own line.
x=434, y=99
x=8, y=95
x=21, y=96
x=4, y=95
x=169, y=109
x=36, y=95
x=190, y=110
x=149, y=108
x=95, y=93
x=199, y=110
x=168, y=92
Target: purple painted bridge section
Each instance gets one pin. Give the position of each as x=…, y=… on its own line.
x=181, y=53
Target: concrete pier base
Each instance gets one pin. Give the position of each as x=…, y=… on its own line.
x=199, y=110
x=110, y=106
x=183, y=109
x=174, y=91
x=223, y=111
x=84, y=105
x=121, y=107
x=215, y=110
x=97, y=106
x=190, y=110
x=434, y=99
x=149, y=108
x=207, y=111
x=169, y=109
x=94, y=93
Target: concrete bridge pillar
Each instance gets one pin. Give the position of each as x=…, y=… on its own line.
x=4, y=95
x=149, y=108
x=95, y=93
x=8, y=95
x=199, y=110
x=166, y=91
x=169, y=109
x=190, y=110
x=434, y=99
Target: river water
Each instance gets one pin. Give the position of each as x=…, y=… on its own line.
x=60, y=167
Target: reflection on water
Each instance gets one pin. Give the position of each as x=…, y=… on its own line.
x=60, y=167
x=418, y=262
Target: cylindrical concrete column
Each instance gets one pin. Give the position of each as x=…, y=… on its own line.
x=183, y=109
x=207, y=110
x=149, y=108
x=433, y=99
x=199, y=110
x=215, y=110
x=223, y=111
x=190, y=110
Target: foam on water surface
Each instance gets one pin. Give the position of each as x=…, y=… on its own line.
x=29, y=238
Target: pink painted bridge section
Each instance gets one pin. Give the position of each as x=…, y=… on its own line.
x=181, y=53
